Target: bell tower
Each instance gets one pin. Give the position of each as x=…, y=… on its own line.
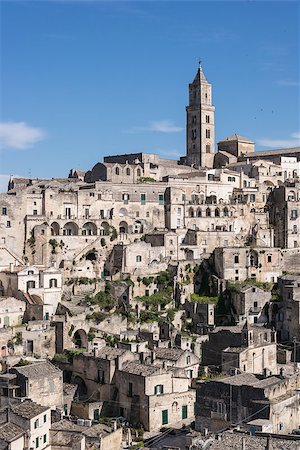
x=200, y=123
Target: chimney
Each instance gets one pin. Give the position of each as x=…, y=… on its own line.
x=244, y=443
x=152, y=357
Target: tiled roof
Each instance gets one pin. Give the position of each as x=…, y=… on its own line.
x=111, y=352
x=172, y=354
x=234, y=441
x=38, y=370
x=9, y=432
x=137, y=368
x=28, y=409
x=93, y=431
x=237, y=137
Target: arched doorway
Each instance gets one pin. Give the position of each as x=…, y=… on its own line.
x=80, y=339
x=81, y=391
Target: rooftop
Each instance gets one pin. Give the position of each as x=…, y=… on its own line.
x=28, y=409
x=137, y=368
x=38, y=370
x=93, y=431
x=234, y=441
x=173, y=354
x=10, y=432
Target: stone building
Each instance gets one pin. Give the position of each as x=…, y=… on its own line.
x=251, y=348
x=284, y=207
x=41, y=382
x=248, y=304
x=238, y=398
x=153, y=396
x=241, y=263
x=67, y=435
x=11, y=311
x=286, y=310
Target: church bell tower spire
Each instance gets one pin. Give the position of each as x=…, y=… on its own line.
x=200, y=122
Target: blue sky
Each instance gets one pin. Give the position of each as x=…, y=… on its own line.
x=83, y=79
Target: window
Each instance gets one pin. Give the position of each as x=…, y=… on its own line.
x=44, y=438
x=178, y=211
x=4, y=211
x=137, y=214
x=53, y=282
x=125, y=198
x=236, y=259
x=30, y=285
x=188, y=360
x=184, y=412
x=231, y=178
x=30, y=272
x=207, y=119
x=295, y=229
x=35, y=212
x=255, y=304
x=159, y=389
x=138, y=258
x=138, y=172
x=207, y=133
x=252, y=198
x=165, y=419
x=130, y=389
x=128, y=171
x=8, y=224
x=143, y=199
x=92, y=194
x=208, y=148
x=161, y=199
x=36, y=423
x=117, y=171
x=99, y=196
x=269, y=258
x=37, y=442
x=101, y=376
x=45, y=418
x=294, y=214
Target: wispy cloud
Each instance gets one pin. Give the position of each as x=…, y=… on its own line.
x=162, y=126
x=19, y=135
x=288, y=83
x=292, y=141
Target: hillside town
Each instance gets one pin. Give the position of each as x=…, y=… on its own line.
x=150, y=303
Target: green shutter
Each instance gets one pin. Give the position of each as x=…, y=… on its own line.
x=184, y=412
x=143, y=199
x=165, y=419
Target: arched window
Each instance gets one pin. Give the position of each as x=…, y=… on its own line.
x=217, y=212
x=208, y=212
x=225, y=212
x=127, y=171
x=199, y=212
x=52, y=283
x=117, y=170
x=138, y=172
x=191, y=212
